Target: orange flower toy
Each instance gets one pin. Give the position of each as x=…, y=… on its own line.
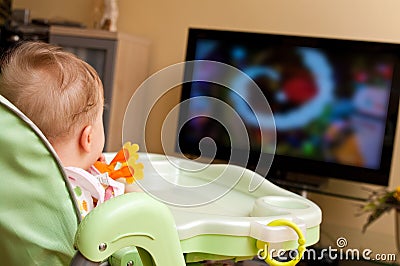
x=123, y=165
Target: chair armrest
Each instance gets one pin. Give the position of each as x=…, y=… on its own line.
x=132, y=219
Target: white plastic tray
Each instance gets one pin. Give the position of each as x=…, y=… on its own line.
x=220, y=199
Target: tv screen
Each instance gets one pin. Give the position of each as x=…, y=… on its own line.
x=334, y=102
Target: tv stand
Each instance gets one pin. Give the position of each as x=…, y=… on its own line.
x=296, y=188
x=303, y=184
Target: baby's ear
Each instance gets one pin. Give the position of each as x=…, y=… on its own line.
x=85, y=139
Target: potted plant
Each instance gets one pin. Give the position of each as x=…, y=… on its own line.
x=380, y=202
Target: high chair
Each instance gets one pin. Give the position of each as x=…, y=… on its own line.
x=40, y=222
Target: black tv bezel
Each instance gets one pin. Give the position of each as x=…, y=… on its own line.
x=283, y=166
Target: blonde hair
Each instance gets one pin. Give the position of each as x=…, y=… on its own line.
x=56, y=90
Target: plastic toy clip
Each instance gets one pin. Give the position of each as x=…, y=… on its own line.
x=264, y=247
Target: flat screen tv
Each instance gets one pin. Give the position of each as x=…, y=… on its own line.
x=334, y=102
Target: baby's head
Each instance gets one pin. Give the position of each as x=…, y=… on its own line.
x=61, y=94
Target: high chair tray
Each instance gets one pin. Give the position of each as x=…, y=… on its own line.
x=218, y=206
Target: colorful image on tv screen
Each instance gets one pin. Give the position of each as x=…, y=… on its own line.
x=328, y=105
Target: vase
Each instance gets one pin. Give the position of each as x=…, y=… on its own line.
x=110, y=15
x=397, y=228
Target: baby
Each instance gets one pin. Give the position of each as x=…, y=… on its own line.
x=63, y=96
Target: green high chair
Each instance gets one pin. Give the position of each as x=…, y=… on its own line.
x=39, y=218
x=40, y=222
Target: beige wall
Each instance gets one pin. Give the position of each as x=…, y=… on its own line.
x=165, y=23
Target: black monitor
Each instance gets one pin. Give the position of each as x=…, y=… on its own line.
x=334, y=102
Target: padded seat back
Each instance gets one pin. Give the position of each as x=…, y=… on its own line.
x=38, y=216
